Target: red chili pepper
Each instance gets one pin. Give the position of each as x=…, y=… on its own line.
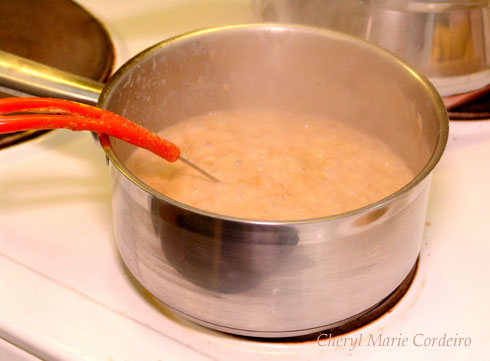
x=58, y=113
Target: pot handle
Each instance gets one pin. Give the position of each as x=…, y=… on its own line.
x=23, y=77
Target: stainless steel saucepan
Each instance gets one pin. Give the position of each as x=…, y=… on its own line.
x=262, y=278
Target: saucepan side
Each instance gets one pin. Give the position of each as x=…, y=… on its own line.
x=273, y=279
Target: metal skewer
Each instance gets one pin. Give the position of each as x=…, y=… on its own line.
x=200, y=170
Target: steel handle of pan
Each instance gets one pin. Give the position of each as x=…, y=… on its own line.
x=23, y=77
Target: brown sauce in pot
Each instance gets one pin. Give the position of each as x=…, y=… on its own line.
x=273, y=165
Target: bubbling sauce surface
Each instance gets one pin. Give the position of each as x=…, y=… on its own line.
x=273, y=165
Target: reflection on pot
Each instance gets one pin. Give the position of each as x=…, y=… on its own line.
x=221, y=255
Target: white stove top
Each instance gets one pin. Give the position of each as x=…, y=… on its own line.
x=65, y=294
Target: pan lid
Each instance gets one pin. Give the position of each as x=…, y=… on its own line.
x=60, y=34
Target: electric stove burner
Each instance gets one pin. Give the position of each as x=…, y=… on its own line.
x=477, y=109
x=471, y=105
x=58, y=33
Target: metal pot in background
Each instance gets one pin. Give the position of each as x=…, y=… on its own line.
x=447, y=41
